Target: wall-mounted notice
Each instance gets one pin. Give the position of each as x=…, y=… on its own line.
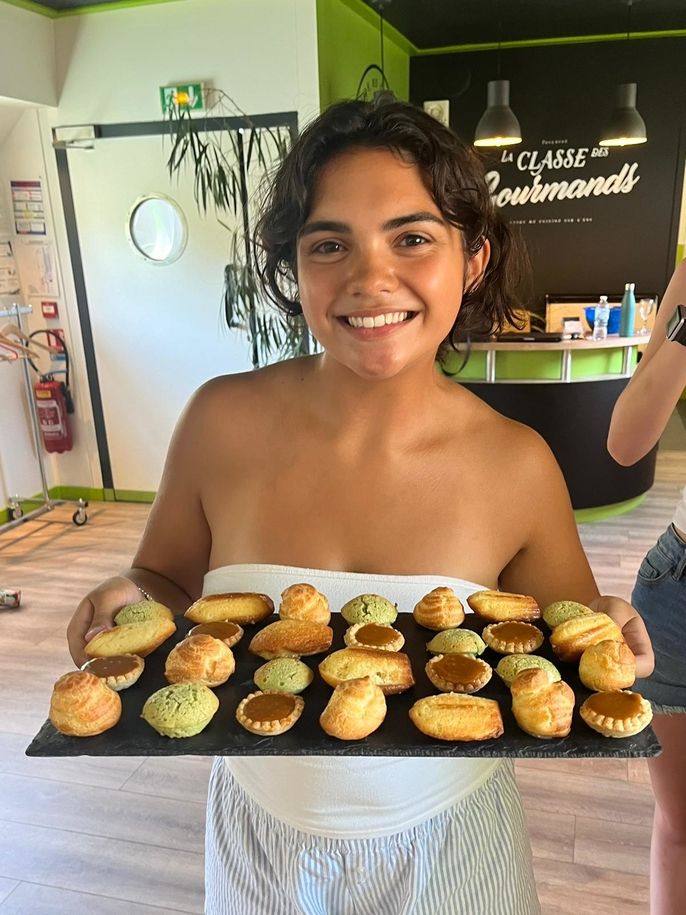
x=28, y=207
x=37, y=268
x=9, y=281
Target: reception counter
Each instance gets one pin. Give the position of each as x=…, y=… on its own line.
x=566, y=391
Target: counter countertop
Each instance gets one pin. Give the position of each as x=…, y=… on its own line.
x=613, y=342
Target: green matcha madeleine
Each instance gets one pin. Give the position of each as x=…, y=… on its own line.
x=369, y=608
x=285, y=675
x=512, y=665
x=180, y=710
x=142, y=611
x=456, y=641
x=563, y=610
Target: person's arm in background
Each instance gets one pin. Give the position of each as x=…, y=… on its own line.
x=643, y=409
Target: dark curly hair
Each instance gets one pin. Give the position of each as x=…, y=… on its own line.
x=453, y=173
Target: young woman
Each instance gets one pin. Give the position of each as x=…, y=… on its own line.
x=638, y=421
x=364, y=469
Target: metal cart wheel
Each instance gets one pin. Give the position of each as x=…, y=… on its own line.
x=79, y=518
x=16, y=511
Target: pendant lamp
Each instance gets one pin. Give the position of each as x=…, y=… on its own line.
x=498, y=125
x=626, y=126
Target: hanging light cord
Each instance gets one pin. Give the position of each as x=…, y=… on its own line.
x=500, y=33
x=381, y=37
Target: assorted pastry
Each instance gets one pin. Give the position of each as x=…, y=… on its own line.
x=369, y=668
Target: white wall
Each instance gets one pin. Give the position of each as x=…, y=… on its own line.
x=109, y=66
x=27, y=56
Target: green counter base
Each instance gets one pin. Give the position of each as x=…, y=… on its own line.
x=588, y=515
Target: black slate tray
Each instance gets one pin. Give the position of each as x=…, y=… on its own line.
x=397, y=736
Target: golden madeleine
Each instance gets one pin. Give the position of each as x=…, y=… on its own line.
x=512, y=637
x=542, y=706
x=82, y=705
x=269, y=713
x=131, y=638
x=617, y=713
x=355, y=710
x=391, y=670
x=455, y=716
x=439, y=609
x=458, y=673
x=242, y=608
x=291, y=639
x=499, y=606
x=200, y=659
x=608, y=665
x=570, y=639
x=304, y=602
x=374, y=635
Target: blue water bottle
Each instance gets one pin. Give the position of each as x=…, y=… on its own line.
x=627, y=318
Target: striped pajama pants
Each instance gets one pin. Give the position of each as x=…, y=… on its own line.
x=472, y=859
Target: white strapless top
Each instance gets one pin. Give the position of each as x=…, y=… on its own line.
x=350, y=797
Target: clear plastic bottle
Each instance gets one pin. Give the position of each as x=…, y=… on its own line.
x=627, y=318
x=602, y=317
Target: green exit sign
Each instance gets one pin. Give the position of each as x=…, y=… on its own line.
x=189, y=95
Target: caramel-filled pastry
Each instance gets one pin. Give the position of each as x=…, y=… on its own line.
x=499, y=606
x=570, y=639
x=356, y=709
x=458, y=673
x=618, y=713
x=391, y=670
x=82, y=705
x=230, y=633
x=241, y=608
x=269, y=713
x=542, y=706
x=439, y=609
x=200, y=659
x=374, y=635
x=304, y=602
x=119, y=672
x=291, y=639
x=130, y=638
x=608, y=665
x=455, y=716
x=563, y=610
x=512, y=637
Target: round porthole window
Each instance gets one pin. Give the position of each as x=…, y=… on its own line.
x=157, y=228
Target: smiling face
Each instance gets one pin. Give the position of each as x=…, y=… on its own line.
x=380, y=271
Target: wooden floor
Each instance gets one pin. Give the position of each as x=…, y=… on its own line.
x=78, y=836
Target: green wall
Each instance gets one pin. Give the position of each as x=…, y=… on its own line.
x=348, y=41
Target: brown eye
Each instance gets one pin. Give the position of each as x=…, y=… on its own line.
x=413, y=241
x=327, y=247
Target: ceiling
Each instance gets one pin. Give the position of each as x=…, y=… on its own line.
x=444, y=23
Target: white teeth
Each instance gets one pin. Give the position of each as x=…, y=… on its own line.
x=395, y=317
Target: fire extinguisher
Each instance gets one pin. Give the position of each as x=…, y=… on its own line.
x=54, y=404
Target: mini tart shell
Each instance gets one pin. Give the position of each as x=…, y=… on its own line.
x=482, y=674
x=275, y=726
x=207, y=629
x=117, y=682
x=499, y=639
x=617, y=727
x=351, y=640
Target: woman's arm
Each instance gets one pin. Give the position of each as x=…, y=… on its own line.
x=644, y=407
x=552, y=565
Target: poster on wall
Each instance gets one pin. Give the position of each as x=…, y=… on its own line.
x=9, y=280
x=37, y=265
x=28, y=207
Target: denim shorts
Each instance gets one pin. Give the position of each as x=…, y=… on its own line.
x=660, y=597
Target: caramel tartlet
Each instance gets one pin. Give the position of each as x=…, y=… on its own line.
x=513, y=637
x=458, y=673
x=119, y=672
x=269, y=713
x=374, y=635
x=617, y=713
x=229, y=633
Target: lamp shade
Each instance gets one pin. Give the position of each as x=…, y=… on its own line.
x=626, y=127
x=498, y=125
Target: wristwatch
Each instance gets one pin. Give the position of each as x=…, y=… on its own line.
x=676, y=326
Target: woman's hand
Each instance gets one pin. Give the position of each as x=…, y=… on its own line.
x=97, y=611
x=633, y=629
